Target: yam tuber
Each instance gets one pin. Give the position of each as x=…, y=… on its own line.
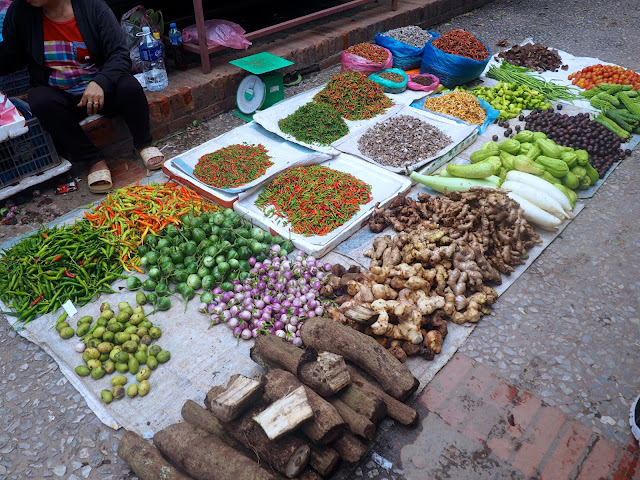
x=325, y=334
x=145, y=460
x=205, y=456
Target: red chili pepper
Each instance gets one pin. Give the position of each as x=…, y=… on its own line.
x=69, y=274
x=36, y=300
x=57, y=257
x=463, y=43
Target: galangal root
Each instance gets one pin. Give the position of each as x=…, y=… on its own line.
x=437, y=268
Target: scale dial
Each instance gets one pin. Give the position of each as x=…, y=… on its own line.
x=251, y=94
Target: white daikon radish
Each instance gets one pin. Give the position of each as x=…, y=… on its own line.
x=537, y=197
x=535, y=214
x=542, y=185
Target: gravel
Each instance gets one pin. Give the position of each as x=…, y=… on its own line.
x=401, y=141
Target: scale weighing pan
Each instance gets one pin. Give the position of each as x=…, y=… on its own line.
x=261, y=63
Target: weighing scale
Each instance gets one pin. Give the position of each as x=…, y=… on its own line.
x=261, y=89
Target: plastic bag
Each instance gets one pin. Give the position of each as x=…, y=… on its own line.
x=452, y=70
x=423, y=88
x=131, y=24
x=219, y=33
x=405, y=57
x=4, y=6
x=355, y=63
x=389, y=86
x=491, y=112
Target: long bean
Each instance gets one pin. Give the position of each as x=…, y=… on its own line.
x=550, y=90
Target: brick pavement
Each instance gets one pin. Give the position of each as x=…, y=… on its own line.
x=517, y=435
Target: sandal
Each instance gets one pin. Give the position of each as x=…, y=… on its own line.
x=100, y=181
x=147, y=154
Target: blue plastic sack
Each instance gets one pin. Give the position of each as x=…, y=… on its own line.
x=491, y=112
x=405, y=57
x=452, y=70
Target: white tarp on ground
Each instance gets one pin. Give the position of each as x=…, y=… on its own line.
x=201, y=356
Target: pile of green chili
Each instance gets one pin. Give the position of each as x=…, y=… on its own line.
x=44, y=270
x=314, y=123
x=354, y=96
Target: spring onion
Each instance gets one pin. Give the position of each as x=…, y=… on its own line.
x=550, y=90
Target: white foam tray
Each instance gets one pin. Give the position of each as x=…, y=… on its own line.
x=15, y=128
x=283, y=155
x=384, y=187
x=457, y=131
x=270, y=117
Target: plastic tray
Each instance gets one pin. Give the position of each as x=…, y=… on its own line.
x=283, y=155
x=26, y=154
x=458, y=132
x=15, y=84
x=384, y=187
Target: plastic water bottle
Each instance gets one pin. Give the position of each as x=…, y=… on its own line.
x=175, y=36
x=153, y=67
x=3, y=13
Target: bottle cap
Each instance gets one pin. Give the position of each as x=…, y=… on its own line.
x=156, y=35
x=172, y=25
x=146, y=30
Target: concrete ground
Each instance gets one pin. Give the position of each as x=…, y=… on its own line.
x=542, y=387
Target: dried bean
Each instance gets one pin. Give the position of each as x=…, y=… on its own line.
x=402, y=140
x=411, y=35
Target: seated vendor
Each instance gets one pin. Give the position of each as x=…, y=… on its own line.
x=79, y=65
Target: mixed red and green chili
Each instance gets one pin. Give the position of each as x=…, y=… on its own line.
x=233, y=166
x=354, y=96
x=314, y=200
x=370, y=52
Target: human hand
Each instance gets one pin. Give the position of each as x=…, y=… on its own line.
x=93, y=98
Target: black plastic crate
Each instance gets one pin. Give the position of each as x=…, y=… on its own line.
x=28, y=154
x=15, y=84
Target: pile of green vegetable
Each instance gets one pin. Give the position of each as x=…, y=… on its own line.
x=529, y=152
x=620, y=106
x=208, y=250
x=44, y=270
x=119, y=342
x=511, y=98
x=518, y=75
x=314, y=123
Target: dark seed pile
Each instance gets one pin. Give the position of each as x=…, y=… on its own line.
x=401, y=141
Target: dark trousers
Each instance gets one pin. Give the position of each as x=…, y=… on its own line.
x=59, y=114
